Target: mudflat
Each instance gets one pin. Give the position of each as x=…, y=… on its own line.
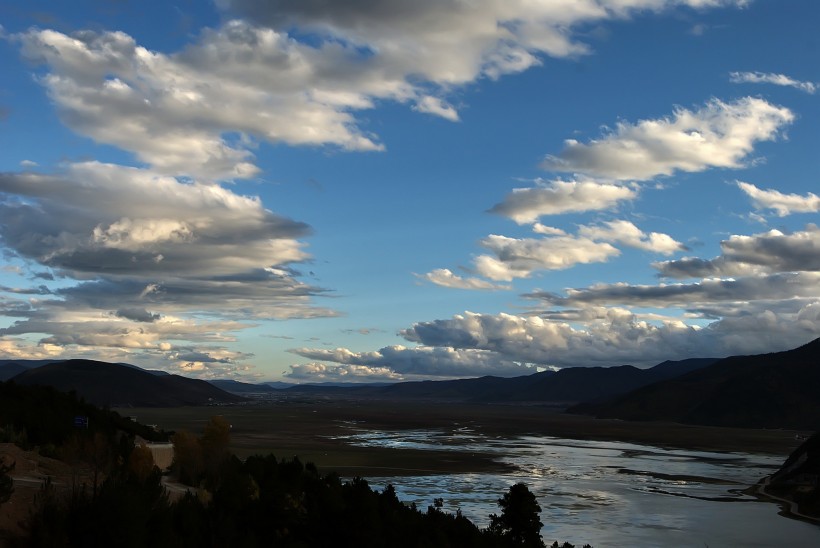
x=315, y=429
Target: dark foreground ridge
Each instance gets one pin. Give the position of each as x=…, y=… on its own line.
x=797, y=483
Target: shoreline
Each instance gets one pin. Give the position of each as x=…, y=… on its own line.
x=788, y=508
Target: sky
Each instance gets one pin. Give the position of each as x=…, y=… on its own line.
x=382, y=190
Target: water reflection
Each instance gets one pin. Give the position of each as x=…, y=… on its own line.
x=606, y=493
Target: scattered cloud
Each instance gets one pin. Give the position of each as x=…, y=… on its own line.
x=783, y=204
x=201, y=110
x=521, y=257
x=628, y=234
x=717, y=135
x=772, y=78
x=25, y=164
x=527, y=205
x=445, y=278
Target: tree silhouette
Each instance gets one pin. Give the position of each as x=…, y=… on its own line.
x=520, y=521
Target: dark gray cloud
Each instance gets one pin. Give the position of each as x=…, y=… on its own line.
x=752, y=288
x=137, y=315
x=151, y=257
x=772, y=251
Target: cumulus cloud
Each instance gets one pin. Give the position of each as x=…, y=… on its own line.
x=527, y=205
x=717, y=135
x=439, y=361
x=198, y=111
x=772, y=251
x=445, y=278
x=771, y=78
x=783, y=204
x=618, y=336
x=321, y=372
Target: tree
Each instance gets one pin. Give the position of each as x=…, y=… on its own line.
x=6, y=483
x=188, y=464
x=520, y=521
x=215, y=440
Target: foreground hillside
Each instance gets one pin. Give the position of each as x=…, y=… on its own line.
x=798, y=481
x=776, y=390
x=116, y=385
x=109, y=493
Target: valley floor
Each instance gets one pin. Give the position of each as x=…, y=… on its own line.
x=315, y=431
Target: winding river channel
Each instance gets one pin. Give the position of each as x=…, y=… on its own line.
x=606, y=493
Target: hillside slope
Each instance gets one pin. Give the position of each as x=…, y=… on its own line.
x=118, y=385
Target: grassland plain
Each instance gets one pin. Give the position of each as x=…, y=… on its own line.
x=315, y=430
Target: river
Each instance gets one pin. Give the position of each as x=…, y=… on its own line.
x=606, y=493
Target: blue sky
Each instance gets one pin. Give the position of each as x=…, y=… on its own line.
x=381, y=190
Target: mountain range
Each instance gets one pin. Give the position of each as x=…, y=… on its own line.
x=775, y=390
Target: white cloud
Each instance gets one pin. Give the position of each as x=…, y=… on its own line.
x=436, y=361
x=519, y=258
x=783, y=204
x=437, y=107
x=770, y=252
x=628, y=234
x=771, y=78
x=16, y=349
x=538, y=228
x=321, y=372
x=527, y=205
x=445, y=278
x=717, y=135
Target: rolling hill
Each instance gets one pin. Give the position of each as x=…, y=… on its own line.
x=776, y=390
x=118, y=385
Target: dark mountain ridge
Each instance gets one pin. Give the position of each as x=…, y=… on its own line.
x=561, y=388
x=114, y=385
x=775, y=390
